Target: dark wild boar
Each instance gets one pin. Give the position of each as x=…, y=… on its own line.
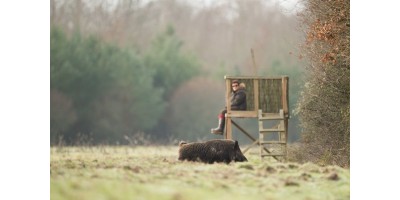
x=211, y=151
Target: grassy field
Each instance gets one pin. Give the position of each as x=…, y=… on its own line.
x=155, y=173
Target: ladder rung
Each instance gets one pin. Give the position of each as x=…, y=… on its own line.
x=273, y=142
x=271, y=117
x=271, y=130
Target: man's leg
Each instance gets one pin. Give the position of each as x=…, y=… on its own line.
x=221, y=124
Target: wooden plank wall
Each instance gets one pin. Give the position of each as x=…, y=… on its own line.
x=270, y=95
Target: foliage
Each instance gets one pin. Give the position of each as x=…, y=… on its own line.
x=153, y=172
x=324, y=106
x=109, y=94
x=172, y=66
x=62, y=113
x=99, y=90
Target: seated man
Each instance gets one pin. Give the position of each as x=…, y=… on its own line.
x=238, y=102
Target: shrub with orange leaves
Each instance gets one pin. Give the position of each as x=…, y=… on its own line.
x=324, y=105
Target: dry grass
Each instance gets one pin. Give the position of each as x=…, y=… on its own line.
x=155, y=173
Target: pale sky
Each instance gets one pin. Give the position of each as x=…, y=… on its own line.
x=288, y=6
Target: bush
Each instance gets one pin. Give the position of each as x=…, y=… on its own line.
x=324, y=105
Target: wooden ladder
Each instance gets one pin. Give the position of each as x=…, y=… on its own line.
x=275, y=148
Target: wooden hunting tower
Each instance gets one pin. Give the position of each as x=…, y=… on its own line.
x=268, y=101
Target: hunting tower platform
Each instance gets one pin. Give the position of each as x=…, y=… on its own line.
x=268, y=101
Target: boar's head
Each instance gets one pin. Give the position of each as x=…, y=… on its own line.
x=237, y=154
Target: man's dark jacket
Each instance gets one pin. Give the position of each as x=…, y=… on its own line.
x=238, y=99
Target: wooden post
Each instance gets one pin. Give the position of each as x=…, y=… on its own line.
x=285, y=105
x=286, y=136
x=287, y=116
x=285, y=100
x=256, y=95
x=281, y=126
x=282, y=135
x=227, y=94
x=261, y=139
x=228, y=123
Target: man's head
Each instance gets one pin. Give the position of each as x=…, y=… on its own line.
x=235, y=85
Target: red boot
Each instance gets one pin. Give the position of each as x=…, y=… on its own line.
x=221, y=125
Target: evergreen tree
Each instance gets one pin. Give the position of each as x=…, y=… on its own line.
x=108, y=90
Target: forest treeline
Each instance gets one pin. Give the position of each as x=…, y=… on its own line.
x=128, y=71
x=102, y=92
